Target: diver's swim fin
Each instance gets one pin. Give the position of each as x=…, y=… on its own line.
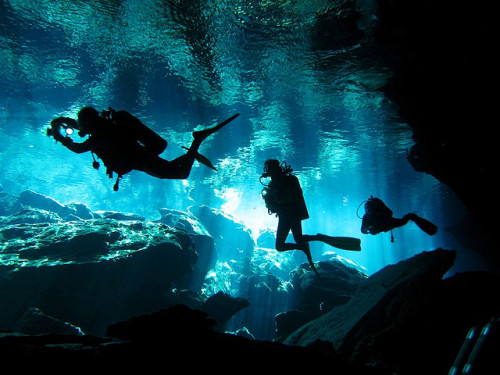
x=425, y=225
x=225, y=122
x=311, y=263
x=344, y=243
x=201, y=159
x=200, y=135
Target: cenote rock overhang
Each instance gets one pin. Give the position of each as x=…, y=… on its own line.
x=442, y=79
x=97, y=286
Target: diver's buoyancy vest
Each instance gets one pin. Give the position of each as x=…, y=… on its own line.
x=270, y=200
x=376, y=207
x=376, y=216
x=284, y=197
x=136, y=129
x=132, y=130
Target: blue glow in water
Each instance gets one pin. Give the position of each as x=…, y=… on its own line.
x=341, y=136
x=313, y=103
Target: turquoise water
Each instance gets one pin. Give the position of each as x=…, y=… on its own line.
x=304, y=75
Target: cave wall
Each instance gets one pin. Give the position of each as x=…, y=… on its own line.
x=444, y=81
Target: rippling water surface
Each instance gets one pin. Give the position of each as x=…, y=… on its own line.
x=304, y=75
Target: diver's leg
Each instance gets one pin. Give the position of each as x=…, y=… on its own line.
x=281, y=234
x=284, y=227
x=310, y=237
x=303, y=244
x=180, y=167
x=298, y=236
x=422, y=223
x=394, y=222
x=344, y=243
x=193, y=153
x=177, y=169
x=185, y=162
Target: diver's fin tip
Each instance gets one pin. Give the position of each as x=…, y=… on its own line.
x=344, y=243
x=428, y=227
x=204, y=160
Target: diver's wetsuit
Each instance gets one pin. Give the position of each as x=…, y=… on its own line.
x=291, y=209
x=121, y=152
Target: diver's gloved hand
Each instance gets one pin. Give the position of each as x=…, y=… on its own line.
x=57, y=122
x=56, y=127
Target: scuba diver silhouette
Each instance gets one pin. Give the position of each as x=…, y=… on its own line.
x=283, y=196
x=378, y=218
x=124, y=144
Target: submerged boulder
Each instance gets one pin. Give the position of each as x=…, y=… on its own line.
x=267, y=239
x=117, y=215
x=406, y=316
x=90, y=273
x=176, y=323
x=232, y=238
x=336, y=324
x=339, y=280
x=43, y=202
x=95, y=268
x=312, y=297
x=221, y=307
x=9, y=204
x=204, y=242
x=36, y=322
x=165, y=339
x=419, y=327
x=33, y=207
x=183, y=220
x=30, y=215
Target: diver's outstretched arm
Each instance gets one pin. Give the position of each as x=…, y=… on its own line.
x=67, y=141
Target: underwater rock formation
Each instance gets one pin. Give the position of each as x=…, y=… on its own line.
x=9, y=204
x=407, y=316
x=312, y=297
x=94, y=268
x=231, y=236
x=203, y=240
x=411, y=322
x=91, y=273
x=170, y=338
x=36, y=322
x=419, y=327
x=334, y=325
x=42, y=202
x=65, y=283
x=339, y=280
x=126, y=265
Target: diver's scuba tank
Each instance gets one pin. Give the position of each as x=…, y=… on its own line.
x=376, y=213
x=376, y=207
x=129, y=123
